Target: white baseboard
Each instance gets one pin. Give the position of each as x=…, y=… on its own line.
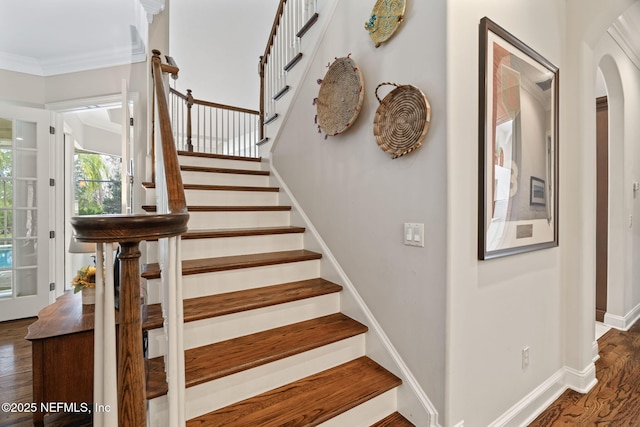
x=595, y=350
x=532, y=405
x=620, y=322
x=421, y=407
x=580, y=381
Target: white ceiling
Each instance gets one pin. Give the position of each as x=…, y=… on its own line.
x=48, y=37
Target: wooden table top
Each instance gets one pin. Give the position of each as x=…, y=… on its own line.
x=65, y=316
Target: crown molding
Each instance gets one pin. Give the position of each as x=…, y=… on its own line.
x=623, y=33
x=152, y=7
x=109, y=57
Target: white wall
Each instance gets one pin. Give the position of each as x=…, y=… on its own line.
x=622, y=79
x=543, y=300
x=217, y=45
x=358, y=197
x=499, y=306
x=22, y=89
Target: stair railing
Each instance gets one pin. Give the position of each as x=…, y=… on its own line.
x=293, y=19
x=209, y=127
x=129, y=407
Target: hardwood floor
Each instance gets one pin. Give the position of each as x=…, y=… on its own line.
x=16, y=380
x=615, y=400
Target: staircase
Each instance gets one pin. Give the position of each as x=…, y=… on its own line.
x=265, y=342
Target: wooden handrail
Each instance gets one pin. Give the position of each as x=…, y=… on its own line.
x=272, y=35
x=175, y=190
x=214, y=104
x=129, y=231
x=263, y=61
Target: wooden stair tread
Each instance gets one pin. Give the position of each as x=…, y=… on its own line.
x=218, y=156
x=394, y=420
x=239, y=232
x=245, y=208
x=213, y=361
x=309, y=401
x=207, y=265
x=207, y=169
x=206, y=187
x=234, y=302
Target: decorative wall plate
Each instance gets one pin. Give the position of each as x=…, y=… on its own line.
x=402, y=120
x=340, y=97
x=386, y=17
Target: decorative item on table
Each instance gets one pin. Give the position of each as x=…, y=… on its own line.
x=386, y=17
x=340, y=97
x=402, y=119
x=85, y=282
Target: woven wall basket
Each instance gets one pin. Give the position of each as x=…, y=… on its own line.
x=340, y=97
x=402, y=119
x=386, y=17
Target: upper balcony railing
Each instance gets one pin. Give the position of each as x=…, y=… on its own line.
x=208, y=127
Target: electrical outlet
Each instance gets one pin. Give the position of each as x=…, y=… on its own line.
x=525, y=357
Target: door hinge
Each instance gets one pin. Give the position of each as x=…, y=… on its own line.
x=130, y=121
x=52, y=286
x=52, y=130
x=52, y=234
x=52, y=182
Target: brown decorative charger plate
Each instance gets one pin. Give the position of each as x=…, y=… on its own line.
x=386, y=17
x=402, y=119
x=340, y=97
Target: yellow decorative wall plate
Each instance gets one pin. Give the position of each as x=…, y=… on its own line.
x=386, y=17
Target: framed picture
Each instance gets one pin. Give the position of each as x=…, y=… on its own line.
x=518, y=140
x=537, y=192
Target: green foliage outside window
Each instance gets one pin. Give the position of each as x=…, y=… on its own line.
x=98, y=184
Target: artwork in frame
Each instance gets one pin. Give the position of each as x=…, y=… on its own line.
x=537, y=192
x=518, y=140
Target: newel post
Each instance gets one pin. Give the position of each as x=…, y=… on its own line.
x=131, y=372
x=189, y=146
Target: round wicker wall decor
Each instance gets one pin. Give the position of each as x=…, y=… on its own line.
x=386, y=17
x=402, y=119
x=340, y=97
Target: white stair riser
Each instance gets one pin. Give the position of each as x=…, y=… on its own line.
x=222, y=328
x=212, y=178
x=198, y=285
x=237, y=219
x=150, y=196
x=216, y=394
x=231, y=198
x=367, y=413
x=229, y=246
x=219, y=163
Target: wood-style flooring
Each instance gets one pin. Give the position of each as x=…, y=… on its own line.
x=16, y=380
x=615, y=400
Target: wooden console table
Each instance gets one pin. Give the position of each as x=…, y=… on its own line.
x=62, y=350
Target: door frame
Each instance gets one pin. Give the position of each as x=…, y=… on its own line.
x=45, y=224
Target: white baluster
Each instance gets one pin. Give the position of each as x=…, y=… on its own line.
x=105, y=388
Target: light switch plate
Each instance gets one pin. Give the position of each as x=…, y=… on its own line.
x=414, y=234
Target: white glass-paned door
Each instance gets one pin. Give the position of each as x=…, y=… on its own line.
x=24, y=222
